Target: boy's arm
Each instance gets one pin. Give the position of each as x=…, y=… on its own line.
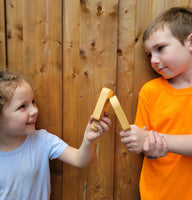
x=157, y=144
x=179, y=144
x=82, y=156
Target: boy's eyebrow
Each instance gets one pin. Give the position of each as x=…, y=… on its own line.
x=156, y=45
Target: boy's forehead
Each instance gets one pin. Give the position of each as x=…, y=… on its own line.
x=158, y=36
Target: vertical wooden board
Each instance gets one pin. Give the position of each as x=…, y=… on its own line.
x=87, y=68
x=190, y=4
x=2, y=36
x=123, y=187
x=98, y=69
x=34, y=37
x=71, y=65
x=176, y=3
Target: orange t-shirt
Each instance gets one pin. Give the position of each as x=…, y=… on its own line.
x=166, y=110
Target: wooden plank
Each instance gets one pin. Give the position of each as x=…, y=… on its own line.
x=102, y=105
x=34, y=31
x=71, y=65
x=88, y=68
x=98, y=67
x=119, y=113
x=123, y=187
x=2, y=36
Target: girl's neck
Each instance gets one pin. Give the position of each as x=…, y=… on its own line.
x=10, y=143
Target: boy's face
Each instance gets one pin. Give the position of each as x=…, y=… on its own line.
x=168, y=56
x=19, y=114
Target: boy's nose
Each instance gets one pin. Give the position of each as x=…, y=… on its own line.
x=154, y=60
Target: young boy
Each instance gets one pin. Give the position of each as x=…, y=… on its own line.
x=165, y=106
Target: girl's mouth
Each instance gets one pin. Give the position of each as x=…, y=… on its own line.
x=30, y=123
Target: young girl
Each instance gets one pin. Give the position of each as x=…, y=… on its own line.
x=24, y=151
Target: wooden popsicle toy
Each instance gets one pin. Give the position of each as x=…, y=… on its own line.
x=102, y=105
x=120, y=113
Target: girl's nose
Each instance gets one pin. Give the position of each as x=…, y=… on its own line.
x=33, y=110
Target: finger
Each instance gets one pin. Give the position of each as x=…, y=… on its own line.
x=146, y=145
x=91, y=119
x=126, y=140
x=98, y=127
x=124, y=133
x=104, y=126
x=158, y=139
x=106, y=120
x=151, y=137
x=145, y=128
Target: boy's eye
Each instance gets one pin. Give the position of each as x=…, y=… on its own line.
x=160, y=48
x=21, y=107
x=148, y=55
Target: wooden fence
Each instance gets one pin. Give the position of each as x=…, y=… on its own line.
x=68, y=50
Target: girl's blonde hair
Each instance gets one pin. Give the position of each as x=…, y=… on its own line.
x=177, y=19
x=8, y=83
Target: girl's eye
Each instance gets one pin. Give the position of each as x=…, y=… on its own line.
x=33, y=102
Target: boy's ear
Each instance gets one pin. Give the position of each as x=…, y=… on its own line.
x=189, y=39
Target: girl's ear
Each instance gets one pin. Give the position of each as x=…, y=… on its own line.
x=189, y=39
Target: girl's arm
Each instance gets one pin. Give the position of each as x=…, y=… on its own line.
x=82, y=156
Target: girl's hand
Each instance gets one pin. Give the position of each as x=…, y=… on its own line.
x=102, y=126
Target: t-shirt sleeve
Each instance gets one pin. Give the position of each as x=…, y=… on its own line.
x=53, y=144
x=142, y=115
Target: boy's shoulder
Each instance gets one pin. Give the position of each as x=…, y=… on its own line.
x=153, y=88
x=153, y=85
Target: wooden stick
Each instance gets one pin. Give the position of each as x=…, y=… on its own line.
x=120, y=113
x=102, y=105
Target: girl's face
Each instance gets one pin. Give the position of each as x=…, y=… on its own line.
x=19, y=114
x=167, y=55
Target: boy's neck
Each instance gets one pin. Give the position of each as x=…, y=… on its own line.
x=181, y=81
x=10, y=143
x=180, y=84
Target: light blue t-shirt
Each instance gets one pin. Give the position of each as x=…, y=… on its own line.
x=24, y=172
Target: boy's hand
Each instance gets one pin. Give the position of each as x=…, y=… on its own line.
x=102, y=126
x=134, y=138
x=155, y=145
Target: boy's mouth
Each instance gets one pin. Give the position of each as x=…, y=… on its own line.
x=161, y=69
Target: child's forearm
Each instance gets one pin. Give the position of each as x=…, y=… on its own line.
x=179, y=144
x=84, y=153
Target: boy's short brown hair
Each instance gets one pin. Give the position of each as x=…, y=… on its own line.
x=177, y=19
